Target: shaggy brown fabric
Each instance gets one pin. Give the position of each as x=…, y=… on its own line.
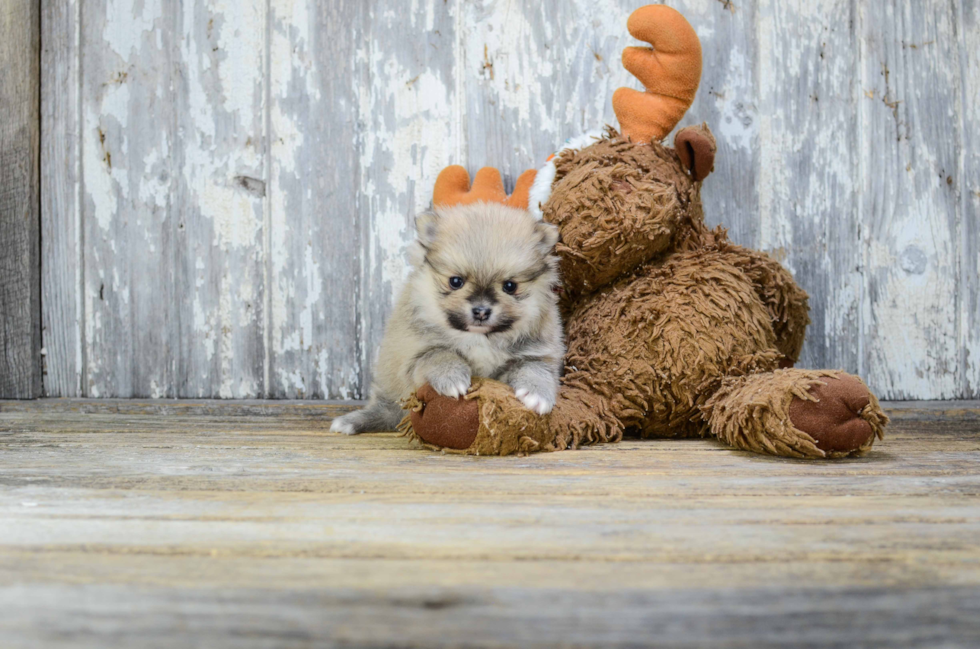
x=786, y=302
x=646, y=353
x=669, y=334
x=601, y=220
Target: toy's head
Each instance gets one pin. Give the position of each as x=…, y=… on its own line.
x=626, y=198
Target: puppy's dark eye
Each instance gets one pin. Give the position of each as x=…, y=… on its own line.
x=510, y=287
x=456, y=282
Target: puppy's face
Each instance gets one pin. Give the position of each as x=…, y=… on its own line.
x=486, y=268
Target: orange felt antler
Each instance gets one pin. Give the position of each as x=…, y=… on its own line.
x=453, y=188
x=670, y=71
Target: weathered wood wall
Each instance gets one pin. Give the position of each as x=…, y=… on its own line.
x=229, y=186
x=20, y=213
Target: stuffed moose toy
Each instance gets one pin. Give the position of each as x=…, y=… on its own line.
x=672, y=330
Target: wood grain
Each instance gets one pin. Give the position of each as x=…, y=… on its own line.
x=130, y=166
x=967, y=185
x=314, y=247
x=909, y=205
x=218, y=526
x=20, y=256
x=268, y=159
x=219, y=200
x=730, y=102
x=62, y=285
x=808, y=214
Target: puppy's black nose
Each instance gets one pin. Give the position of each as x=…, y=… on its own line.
x=481, y=313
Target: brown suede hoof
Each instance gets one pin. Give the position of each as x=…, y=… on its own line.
x=834, y=422
x=446, y=422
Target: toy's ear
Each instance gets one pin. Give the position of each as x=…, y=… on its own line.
x=427, y=225
x=548, y=236
x=695, y=146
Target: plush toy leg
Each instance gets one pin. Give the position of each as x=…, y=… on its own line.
x=784, y=299
x=797, y=413
x=489, y=420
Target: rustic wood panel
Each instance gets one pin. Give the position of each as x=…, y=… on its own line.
x=968, y=188
x=808, y=214
x=314, y=244
x=912, y=143
x=168, y=528
x=130, y=166
x=217, y=217
x=269, y=157
x=729, y=102
x=61, y=234
x=20, y=255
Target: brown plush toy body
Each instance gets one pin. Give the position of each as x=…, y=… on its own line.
x=672, y=330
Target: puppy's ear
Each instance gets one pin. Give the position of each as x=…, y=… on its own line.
x=547, y=237
x=427, y=226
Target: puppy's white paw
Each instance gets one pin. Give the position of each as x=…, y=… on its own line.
x=343, y=425
x=535, y=402
x=452, y=385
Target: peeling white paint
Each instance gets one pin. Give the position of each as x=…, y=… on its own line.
x=738, y=126
x=132, y=19
x=177, y=184
x=100, y=187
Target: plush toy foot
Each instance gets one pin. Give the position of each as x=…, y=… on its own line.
x=834, y=418
x=797, y=413
x=489, y=420
x=443, y=421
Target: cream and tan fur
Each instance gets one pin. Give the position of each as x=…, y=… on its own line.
x=479, y=302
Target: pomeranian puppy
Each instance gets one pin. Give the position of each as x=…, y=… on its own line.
x=480, y=301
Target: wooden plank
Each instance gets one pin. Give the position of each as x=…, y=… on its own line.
x=808, y=198
x=190, y=447
x=20, y=258
x=908, y=157
x=129, y=616
x=313, y=240
x=729, y=101
x=171, y=529
x=61, y=242
x=220, y=199
x=918, y=410
x=175, y=293
x=187, y=407
x=968, y=186
x=130, y=154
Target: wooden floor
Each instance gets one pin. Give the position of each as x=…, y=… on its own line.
x=206, y=524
